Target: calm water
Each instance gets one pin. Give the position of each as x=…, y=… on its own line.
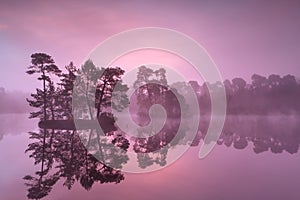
x=227, y=173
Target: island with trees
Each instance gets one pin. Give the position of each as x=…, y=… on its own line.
x=68, y=154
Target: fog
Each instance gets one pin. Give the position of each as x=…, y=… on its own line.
x=13, y=101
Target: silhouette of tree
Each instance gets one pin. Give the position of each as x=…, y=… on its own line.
x=86, y=83
x=183, y=91
x=44, y=65
x=66, y=91
x=105, y=88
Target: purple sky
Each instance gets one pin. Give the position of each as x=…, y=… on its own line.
x=242, y=37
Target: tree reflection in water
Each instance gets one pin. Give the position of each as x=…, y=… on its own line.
x=276, y=133
x=62, y=155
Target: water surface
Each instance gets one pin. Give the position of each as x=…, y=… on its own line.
x=227, y=173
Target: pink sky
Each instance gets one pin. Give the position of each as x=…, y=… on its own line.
x=242, y=37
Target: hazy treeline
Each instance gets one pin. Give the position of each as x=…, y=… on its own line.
x=263, y=96
x=13, y=102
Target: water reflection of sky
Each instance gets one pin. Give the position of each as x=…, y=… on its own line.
x=227, y=173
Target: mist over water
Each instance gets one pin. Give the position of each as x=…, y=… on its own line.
x=261, y=151
x=13, y=102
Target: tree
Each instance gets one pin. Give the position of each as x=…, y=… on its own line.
x=105, y=88
x=65, y=92
x=84, y=92
x=239, y=83
x=45, y=100
x=151, y=87
x=44, y=65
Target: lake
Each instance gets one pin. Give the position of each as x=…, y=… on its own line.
x=265, y=167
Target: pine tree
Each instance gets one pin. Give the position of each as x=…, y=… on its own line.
x=44, y=65
x=107, y=87
x=66, y=90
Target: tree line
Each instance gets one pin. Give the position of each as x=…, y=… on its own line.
x=68, y=154
x=263, y=96
x=271, y=95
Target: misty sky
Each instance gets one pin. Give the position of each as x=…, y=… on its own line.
x=242, y=37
